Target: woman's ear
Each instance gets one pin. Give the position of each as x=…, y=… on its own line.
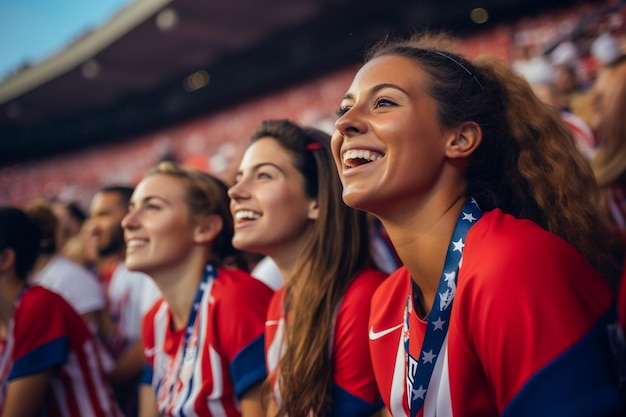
x=466, y=139
x=314, y=210
x=7, y=260
x=208, y=229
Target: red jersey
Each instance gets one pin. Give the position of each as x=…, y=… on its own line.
x=47, y=333
x=354, y=389
x=532, y=331
x=224, y=355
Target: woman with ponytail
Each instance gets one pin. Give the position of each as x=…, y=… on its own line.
x=203, y=340
x=505, y=303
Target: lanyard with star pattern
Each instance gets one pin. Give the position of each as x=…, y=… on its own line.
x=419, y=372
x=185, y=353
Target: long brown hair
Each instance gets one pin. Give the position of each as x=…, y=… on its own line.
x=337, y=249
x=527, y=163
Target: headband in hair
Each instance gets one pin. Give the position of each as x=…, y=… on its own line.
x=460, y=64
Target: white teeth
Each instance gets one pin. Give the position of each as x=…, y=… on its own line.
x=132, y=243
x=355, y=157
x=246, y=215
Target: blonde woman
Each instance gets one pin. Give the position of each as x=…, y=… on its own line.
x=203, y=340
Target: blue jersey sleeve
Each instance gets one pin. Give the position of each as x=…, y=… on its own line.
x=248, y=367
x=581, y=382
x=46, y=356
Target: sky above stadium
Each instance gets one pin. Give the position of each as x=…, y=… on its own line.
x=33, y=30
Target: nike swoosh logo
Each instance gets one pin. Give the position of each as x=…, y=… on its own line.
x=377, y=335
x=271, y=323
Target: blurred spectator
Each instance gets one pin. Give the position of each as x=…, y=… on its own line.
x=542, y=78
x=48, y=364
x=576, y=98
x=582, y=133
x=609, y=123
x=82, y=250
x=78, y=286
x=70, y=219
x=128, y=294
x=605, y=48
x=566, y=53
x=530, y=64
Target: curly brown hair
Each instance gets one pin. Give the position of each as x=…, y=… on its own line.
x=527, y=163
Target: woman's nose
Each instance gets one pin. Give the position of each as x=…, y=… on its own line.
x=351, y=122
x=236, y=191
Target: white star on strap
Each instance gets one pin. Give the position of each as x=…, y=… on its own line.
x=419, y=392
x=439, y=324
x=469, y=217
x=459, y=245
x=429, y=356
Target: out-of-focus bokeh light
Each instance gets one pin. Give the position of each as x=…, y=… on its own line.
x=167, y=19
x=479, y=15
x=196, y=81
x=90, y=69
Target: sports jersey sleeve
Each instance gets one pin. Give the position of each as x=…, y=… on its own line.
x=518, y=283
x=355, y=392
x=240, y=322
x=84, y=292
x=77, y=285
x=147, y=334
x=40, y=333
x=274, y=331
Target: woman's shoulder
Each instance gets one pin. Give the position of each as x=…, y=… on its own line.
x=506, y=254
x=237, y=276
x=394, y=288
x=42, y=299
x=498, y=233
x=237, y=284
x=368, y=279
x=363, y=287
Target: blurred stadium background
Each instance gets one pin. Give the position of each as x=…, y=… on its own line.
x=189, y=80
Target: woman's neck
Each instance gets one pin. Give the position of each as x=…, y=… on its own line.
x=179, y=286
x=421, y=241
x=285, y=269
x=10, y=289
x=286, y=256
x=42, y=261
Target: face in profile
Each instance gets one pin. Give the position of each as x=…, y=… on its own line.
x=608, y=89
x=68, y=226
x=388, y=145
x=269, y=204
x=158, y=229
x=105, y=217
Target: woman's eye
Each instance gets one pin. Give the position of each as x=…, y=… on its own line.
x=383, y=102
x=153, y=207
x=263, y=176
x=342, y=110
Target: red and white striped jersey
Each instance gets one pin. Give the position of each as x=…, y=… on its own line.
x=224, y=355
x=46, y=333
